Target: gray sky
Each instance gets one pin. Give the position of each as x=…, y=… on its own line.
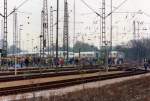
x=87, y=26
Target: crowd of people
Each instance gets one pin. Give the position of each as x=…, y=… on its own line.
x=16, y=61
x=27, y=61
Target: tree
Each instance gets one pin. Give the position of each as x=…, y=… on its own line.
x=13, y=50
x=84, y=47
x=136, y=50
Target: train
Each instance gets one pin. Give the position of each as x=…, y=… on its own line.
x=116, y=57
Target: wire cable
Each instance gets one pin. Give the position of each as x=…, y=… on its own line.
x=22, y=4
x=117, y=7
x=90, y=8
x=148, y=15
x=1, y=15
x=17, y=7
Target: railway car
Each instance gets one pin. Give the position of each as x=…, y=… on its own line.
x=88, y=54
x=116, y=57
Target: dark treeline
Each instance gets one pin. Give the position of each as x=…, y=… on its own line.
x=136, y=49
x=83, y=47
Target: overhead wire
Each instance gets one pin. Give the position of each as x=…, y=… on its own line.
x=148, y=15
x=117, y=7
x=18, y=7
x=90, y=8
x=1, y=15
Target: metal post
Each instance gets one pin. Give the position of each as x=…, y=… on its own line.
x=103, y=24
x=15, y=65
x=74, y=27
x=51, y=32
x=15, y=33
x=57, y=31
x=41, y=35
x=15, y=39
x=104, y=42
x=100, y=36
x=65, y=31
x=40, y=46
x=32, y=45
x=79, y=53
x=5, y=29
x=111, y=27
x=45, y=25
x=134, y=30
x=106, y=61
x=138, y=40
x=20, y=29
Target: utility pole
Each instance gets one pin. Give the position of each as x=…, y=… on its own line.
x=111, y=26
x=65, y=31
x=41, y=36
x=57, y=31
x=138, y=40
x=45, y=26
x=104, y=42
x=74, y=27
x=136, y=37
x=51, y=32
x=5, y=30
x=15, y=38
x=15, y=33
x=20, y=29
x=40, y=45
x=100, y=30
x=134, y=30
x=103, y=23
x=2, y=35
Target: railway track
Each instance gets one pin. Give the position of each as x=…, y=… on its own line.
x=46, y=70
x=64, y=83
x=50, y=74
x=43, y=70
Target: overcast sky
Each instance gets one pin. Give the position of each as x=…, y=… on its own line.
x=87, y=23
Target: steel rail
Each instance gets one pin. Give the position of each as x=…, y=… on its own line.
x=64, y=83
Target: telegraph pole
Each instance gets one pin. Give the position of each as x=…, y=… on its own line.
x=103, y=23
x=45, y=27
x=111, y=27
x=41, y=36
x=20, y=30
x=138, y=40
x=65, y=31
x=41, y=41
x=104, y=42
x=51, y=32
x=134, y=30
x=45, y=24
x=15, y=32
x=57, y=31
x=1, y=38
x=5, y=29
x=74, y=27
x=15, y=38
